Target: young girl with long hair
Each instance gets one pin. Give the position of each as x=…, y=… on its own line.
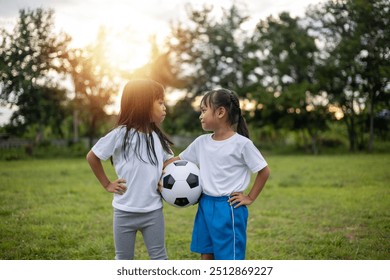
x=138, y=148
x=226, y=158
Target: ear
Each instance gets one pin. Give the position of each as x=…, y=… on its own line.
x=221, y=112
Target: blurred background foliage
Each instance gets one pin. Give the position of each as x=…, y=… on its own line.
x=313, y=84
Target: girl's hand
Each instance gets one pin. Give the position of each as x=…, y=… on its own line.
x=160, y=182
x=117, y=187
x=237, y=199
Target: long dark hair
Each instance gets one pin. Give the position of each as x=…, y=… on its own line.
x=229, y=100
x=137, y=102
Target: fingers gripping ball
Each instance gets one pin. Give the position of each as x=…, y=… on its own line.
x=181, y=184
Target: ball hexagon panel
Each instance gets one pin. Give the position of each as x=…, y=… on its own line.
x=192, y=180
x=168, y=182
x=182, y=201
x=180, y=163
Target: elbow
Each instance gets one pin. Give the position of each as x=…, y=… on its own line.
x=90, y=156
x=266, y=172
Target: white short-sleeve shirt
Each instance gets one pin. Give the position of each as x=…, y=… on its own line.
x=225, y=166
x=141, y=177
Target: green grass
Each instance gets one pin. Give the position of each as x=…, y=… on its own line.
x=325, y=207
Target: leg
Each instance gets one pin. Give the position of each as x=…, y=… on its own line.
x=201, y=239
x=229, y=238
x=124, y=236
x=206, y=256
x=154, y=235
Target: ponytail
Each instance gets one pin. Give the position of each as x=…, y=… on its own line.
x=242, y=127
x=236, y=115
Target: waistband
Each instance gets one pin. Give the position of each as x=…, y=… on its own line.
x=215, y=198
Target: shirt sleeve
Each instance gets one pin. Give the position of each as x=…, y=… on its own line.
x=104, y=148
x=253, y=158
x=191, y=152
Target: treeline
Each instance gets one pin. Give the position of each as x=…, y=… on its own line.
x=298, y=74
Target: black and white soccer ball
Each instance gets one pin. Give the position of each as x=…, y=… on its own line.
x=181, y=184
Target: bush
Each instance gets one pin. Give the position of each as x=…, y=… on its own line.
x=44, y=151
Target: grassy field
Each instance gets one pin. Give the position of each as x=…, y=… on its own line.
x=325, y=207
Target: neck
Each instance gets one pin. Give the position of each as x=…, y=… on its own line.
x=223, y=134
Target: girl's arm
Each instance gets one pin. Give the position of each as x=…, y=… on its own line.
x=170, y=160
x=118, y=186
x=239, y=199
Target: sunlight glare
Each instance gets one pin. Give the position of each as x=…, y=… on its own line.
x=126, y=52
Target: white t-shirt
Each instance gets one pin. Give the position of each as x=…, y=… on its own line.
x=141, y=177
x=225, y=166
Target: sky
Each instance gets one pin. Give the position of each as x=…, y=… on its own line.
x=131, y=23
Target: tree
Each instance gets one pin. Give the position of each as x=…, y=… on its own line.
x=283, y=67
x=207, y=52
x=31, y=59
x=355, y=60
x=158, y=68
x=95, y=85
x=373, y=23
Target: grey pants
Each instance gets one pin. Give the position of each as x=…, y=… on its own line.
x=150, y=224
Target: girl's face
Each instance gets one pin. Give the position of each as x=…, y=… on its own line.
x=158, y=111
x=207, y=118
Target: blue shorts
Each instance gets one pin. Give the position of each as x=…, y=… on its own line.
x=220, y=229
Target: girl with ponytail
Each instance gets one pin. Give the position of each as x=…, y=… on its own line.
x=226, y=158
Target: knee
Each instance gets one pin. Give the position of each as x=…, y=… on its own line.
x=158, y=253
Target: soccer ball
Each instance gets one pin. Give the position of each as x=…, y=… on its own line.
x=181, y=184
